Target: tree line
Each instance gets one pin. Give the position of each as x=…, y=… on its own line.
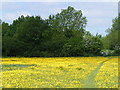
x=60, y=35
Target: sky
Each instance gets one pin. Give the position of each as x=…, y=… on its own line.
x=99, y=15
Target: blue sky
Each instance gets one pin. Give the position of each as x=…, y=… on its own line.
x=99, y=14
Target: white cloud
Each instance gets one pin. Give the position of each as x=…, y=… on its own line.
x=99, y=22
x=119, y=7
x=33, y=0
x=23, y=13
x=60, y=0
x=99, y=13
x=0, y=10
x=8, y=16
x=12, y=16
x=92, y=13
x=98, y=25
x=6, y=6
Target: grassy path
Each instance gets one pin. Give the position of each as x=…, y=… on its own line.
x=89, y=81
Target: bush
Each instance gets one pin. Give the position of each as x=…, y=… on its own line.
x=92, y=46
x=107, y=52
x=117, y=49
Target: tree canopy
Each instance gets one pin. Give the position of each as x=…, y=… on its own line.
x=111, y=40
x=62, y=34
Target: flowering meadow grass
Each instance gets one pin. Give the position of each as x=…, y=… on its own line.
x=60, y=72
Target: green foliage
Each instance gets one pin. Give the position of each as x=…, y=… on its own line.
x=105, y=41
x=106, y=52
x=74, y=45
x=62, y=34
x=0, y=38
x=117, y=49
x=5, y=29
x=29, y=32
x=92, y=45
x=111, y=41
x=68, y=20
x=71, y=24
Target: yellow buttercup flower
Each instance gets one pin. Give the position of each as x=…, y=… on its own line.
x=60, y=72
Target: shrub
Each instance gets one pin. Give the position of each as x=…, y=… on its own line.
x=107, y=52
x=117, y=49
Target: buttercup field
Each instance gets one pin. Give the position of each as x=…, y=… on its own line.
x=60, y=45
x=66, y=72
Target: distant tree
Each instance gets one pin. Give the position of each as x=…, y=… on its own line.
x=68, y=20
x=92, y=45
x=62, y=34
x=6, y=39
x=70, y=24
x=106, y=42
x=0, y=21
x=16, y=23
x=74, y=45
x=32, y=33
x=0, y=37
x=5, y=29
x=98, y=35
x=112, y=39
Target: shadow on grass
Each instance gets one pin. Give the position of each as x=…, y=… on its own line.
x=15, y=66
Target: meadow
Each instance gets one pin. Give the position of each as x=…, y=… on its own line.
x=60, y=72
